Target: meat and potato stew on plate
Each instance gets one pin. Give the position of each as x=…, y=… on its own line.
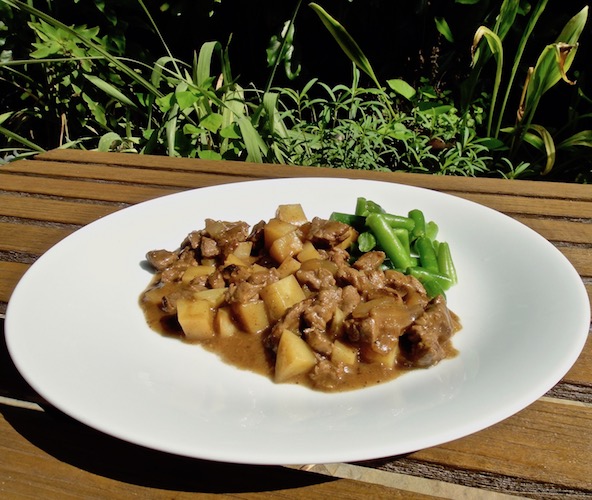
x=333, y=304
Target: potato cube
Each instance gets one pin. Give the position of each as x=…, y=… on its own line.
x=286, y=246
x=237, y=261
x=252, y=316
x=308, y=252
x=347, y=242
x=388, y=359
x=215, y=296
x=343, y=353
x=294, y=357
x=196, y=318
x=196, y=271
x=292, y=213
x=281, y=295
x=274, y=229
x=335, y=327
x=224, y=322
x=243, y=250
x=288, y=266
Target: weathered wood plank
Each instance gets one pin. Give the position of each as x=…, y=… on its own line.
x=522, y=187
x=547, y=442
x=59, y=458
x=66, y=212
x=11, y=273
x=30, y=239
x=89, y=190
x=559, y=230
x=136, y=176
x=145, y=180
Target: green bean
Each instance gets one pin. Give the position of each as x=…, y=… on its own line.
x=366, y=242
x=423, y=275
x=356, y=221
x=418, y=217
x=433, y=288
x=403, y=236
x=366, y=207
x=431, y=230
x=400, y=222
x=427, y=255
x=388, y=241
x=445, y=262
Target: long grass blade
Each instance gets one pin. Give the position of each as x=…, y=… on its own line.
x=20, y=139
x=110, y=90
x=346, y=42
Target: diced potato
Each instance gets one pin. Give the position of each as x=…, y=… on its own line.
x=196, y=318
x=224, y=322
x=193, y=272
x=347, y=242
x=343, y=353
x=243, y=250
x=208, y=262
x=237, y=261
x=281, y=295
x=252, y=316
x=215, y=296
x=154, y=295
x=288, y=266
x=274, y=229
x=285, y=246
x=335, y=327
x=292, y=213
x=294, y=357
x=308, y=252
x=370, y=356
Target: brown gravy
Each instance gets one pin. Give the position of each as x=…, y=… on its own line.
x=246, y=352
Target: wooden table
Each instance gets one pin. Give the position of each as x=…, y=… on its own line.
x=544, y=451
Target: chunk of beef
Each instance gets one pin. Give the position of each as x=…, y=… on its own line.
x=316, y=279
x=423, y=344
x=327, y=233
x=370, y=261
x=379, y=323
x=209, y=248
x=328, y=376
x=161, y=259
x=227, y=235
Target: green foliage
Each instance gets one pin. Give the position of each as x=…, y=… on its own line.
x=74, y=85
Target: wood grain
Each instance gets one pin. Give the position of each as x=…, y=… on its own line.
x=542, y=451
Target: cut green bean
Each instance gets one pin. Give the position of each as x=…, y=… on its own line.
x=356, y=221
x=388, y=241
x=423, y=275
x=400, y=222
x=445, y=262
x=433, y=288
x=366, y=242
x=427, y=254
x=366, y=207
x=403, y=236
x=431, y=230
x=419, y=219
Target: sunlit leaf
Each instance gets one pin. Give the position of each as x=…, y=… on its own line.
x=346, y=42
x=110, y=90
x=107, y=140
x=580, y=139
x=402, y=88
x=444, y=29
x=546, y=145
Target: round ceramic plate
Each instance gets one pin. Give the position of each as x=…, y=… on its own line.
x=78, y=336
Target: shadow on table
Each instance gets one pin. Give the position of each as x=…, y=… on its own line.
x=81, y=446
x=85, y=448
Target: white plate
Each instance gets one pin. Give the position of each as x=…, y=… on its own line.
x=78, y=336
